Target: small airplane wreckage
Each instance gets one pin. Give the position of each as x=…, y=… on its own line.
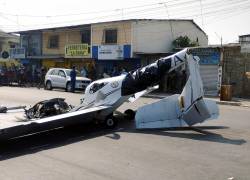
x=104, y=96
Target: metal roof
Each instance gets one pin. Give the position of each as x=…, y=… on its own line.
x=116, y=21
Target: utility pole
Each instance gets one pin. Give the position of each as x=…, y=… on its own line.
x=220, y=37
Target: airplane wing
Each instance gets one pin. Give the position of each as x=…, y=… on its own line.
x=16, y=127
x=141, y=93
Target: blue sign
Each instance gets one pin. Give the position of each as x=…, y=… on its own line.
x=207, y=55
x=111, y=52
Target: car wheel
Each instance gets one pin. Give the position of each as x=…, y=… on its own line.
x=110, y=122
x=49, y=86
x=68, y=87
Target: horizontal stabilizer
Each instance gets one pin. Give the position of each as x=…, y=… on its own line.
x=167, y=113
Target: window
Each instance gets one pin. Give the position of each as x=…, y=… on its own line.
x=85, y=39
x=61, y=73
x=12, y=45
x=110, y=36
x=95, y=87
x=86, y=36
x=54, y=72
x=53, y=41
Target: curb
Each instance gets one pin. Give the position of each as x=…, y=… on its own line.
x=229, y=103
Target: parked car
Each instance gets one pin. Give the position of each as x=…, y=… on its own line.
x=60, y=78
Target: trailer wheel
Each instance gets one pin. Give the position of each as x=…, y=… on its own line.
x=110, y=122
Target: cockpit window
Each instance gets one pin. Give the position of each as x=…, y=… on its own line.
x=95, y=87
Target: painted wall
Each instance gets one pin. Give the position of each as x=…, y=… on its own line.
x=123, y=36
x=152, y=36
x=65, y=37
x=7, y=40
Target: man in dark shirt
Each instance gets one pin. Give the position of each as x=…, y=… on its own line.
x=73, y=78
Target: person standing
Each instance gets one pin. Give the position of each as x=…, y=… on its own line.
x=41, y=78
x=84, y=72
x=73, y=78
x=115, y=72
x=124, y=71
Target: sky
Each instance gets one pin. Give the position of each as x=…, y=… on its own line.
x=226, y=19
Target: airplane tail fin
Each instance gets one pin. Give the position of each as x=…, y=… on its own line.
x=186, y=109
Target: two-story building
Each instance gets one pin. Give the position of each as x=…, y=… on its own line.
x=102, y=46
x=7, y=41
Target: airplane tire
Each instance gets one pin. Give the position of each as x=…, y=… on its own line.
x=110, y=122
x=130, y=114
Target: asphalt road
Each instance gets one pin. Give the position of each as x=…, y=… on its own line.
x=218, y=149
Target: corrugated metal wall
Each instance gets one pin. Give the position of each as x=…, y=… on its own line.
x=209, y=75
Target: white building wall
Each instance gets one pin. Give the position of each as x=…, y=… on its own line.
x=155, y=36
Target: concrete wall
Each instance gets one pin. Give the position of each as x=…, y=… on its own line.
x=153, y=36
x=235, y=66
x=123, y=29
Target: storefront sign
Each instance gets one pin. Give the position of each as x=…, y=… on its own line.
x=110, y=52
x=76, y=50
x=17, y=53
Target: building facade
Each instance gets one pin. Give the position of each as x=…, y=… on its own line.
x=7, y=42
x=236, y=70
x=104, y=47
x=210, y=68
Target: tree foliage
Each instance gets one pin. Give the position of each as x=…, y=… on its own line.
x=184, y=41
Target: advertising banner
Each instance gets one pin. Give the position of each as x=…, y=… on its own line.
x=76, y=50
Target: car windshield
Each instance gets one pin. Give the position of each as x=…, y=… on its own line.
x=68, y=72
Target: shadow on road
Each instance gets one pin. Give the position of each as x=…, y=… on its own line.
x=202, y=135
x=65, y=136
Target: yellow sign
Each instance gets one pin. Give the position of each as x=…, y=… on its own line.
x=76, y=50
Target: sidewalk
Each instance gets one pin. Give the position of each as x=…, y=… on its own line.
x=235, y=101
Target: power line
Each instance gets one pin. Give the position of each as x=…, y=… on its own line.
x=155, y=9
x=170, y=22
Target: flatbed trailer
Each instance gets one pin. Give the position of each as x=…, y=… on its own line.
x=14, y=124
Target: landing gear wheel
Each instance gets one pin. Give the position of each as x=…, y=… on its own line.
x=110, y=122
x=130, y=114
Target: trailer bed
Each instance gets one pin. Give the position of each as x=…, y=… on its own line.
x=14, y=124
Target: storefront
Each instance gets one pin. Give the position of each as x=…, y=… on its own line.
x=51, y=63
x=109, y=65
x=110, y=57
x=9, y=62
